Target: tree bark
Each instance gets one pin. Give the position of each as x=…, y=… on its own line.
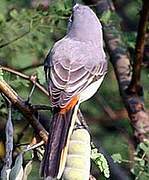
x=123, y=70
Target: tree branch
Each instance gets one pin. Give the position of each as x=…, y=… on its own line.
x=24, y=108
x=139, y=49
x=26, y=77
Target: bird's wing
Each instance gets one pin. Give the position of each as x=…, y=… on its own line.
x=70, y=75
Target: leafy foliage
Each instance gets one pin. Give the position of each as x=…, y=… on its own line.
x=141, y=164
x=25, y=30
x=100, y=162
x=1, y=74
x=117, y=158
x=129, y=38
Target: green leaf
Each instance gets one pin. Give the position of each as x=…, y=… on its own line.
x=94, y=154
x=2, y=18
x=14, y=14
x=101, y=162
x=1, y=74
x=107, y=173
x=129, y=38
x=145, y=147
x=117, y=158
x=40, y=75
x=28, y=155
x=142, y=162
x=106, y=16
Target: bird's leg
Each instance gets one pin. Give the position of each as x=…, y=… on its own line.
x=82, y=120
x=31, y=93
x=34, y=78
x=35, y=107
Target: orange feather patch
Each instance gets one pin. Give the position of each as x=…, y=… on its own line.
x=70, y=105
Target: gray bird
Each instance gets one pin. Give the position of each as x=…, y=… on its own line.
x=75, y=68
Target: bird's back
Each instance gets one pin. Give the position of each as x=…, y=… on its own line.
x=71, y=52
x=74, y=64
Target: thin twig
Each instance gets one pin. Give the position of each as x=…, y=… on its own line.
x=33, y=146
x=31, y=92
x=139, y=49
x=15, y=39
x=26, y=77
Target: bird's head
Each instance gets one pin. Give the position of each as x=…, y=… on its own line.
x=83, y=22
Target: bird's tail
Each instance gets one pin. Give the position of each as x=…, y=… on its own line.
x=57, y=146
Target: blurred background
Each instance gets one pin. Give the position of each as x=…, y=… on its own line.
x=28, y=29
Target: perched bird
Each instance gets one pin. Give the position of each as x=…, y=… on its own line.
x=74, y=68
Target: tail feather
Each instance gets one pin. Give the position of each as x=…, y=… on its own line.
x=55, y=150
x=65, y=148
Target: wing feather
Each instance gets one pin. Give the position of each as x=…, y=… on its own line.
x=72, y=71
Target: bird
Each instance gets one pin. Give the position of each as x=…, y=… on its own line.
x=75, y=68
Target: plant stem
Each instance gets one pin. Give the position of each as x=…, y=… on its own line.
x=26, y=77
